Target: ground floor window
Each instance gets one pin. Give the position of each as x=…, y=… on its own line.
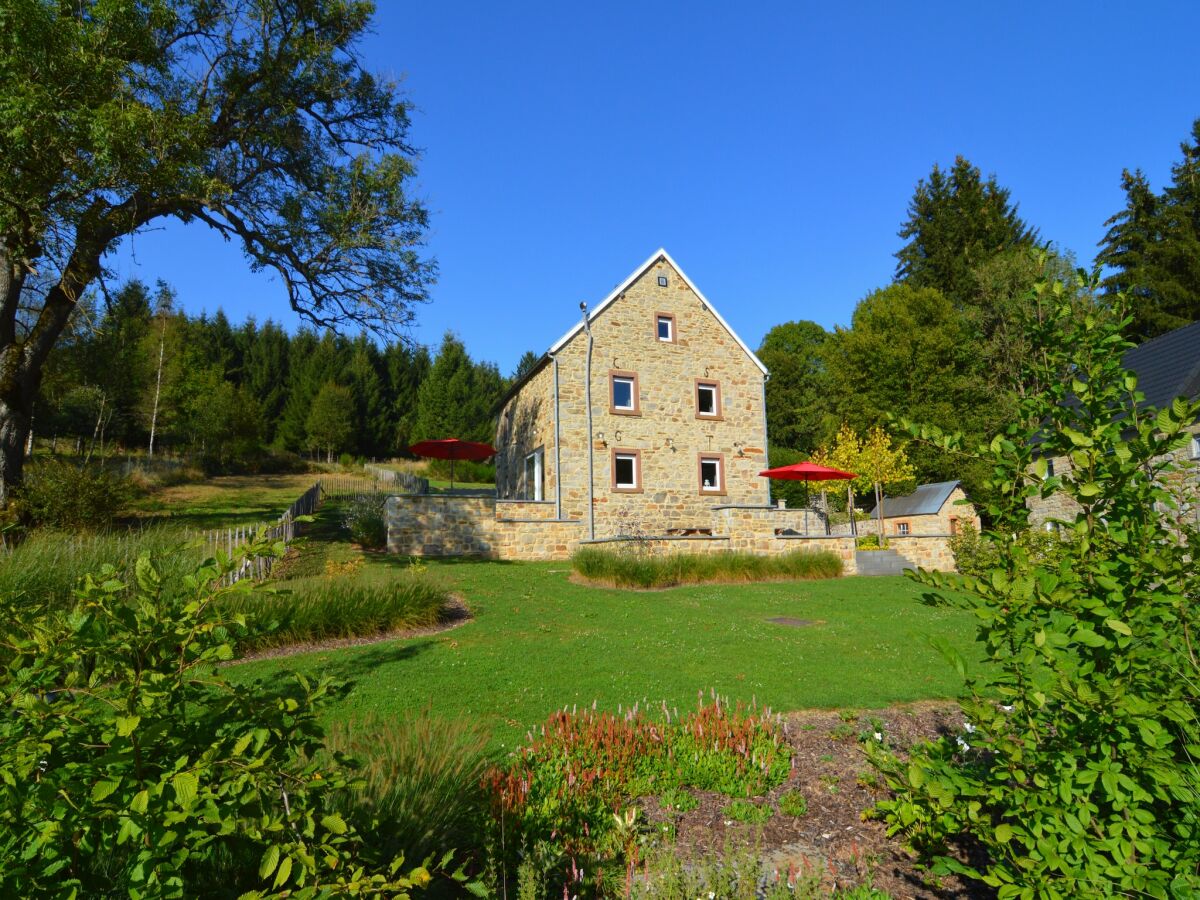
x=534, y=487
x=902, y=528
x=712, y=473
x=626, y=470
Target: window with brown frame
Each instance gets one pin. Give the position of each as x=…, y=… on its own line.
x=708, y=399
x=711, y=471
x=626, y=471
x=902, y=529
x=664, y=327
x=953, y=525
x=623, y=396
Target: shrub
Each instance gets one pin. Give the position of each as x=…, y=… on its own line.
x=1077, y=774
x=869, y=542
x=331, y=609
x=793, y=803
x=569, y=793
x=132, y=767
x=972, y=554
x=421, y=783
x=649, y=570
x=60, y=494
x=745, y=811
x=366, y=520
x=464, y=471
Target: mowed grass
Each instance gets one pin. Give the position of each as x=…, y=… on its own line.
x=223, y=502
x=539, y=642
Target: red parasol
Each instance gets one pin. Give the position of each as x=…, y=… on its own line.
x=453, y=449
x=806, y=472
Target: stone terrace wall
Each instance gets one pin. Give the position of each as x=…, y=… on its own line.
x=441, y=525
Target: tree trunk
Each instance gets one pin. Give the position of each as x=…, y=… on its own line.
x=16, y=416
x=879, y=509
x=162, y=341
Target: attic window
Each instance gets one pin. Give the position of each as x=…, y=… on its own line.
x=662, y=280
x=664, y=327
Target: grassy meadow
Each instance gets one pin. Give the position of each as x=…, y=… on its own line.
x=539, y=641
x=220, y=502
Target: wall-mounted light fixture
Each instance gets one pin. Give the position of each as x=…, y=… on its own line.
x=600, y=438
x=670, y=444
x=740, y=448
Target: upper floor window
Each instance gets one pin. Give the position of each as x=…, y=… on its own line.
x=623, y=393
x=708, y=399
x=712, y=473
x=627, y=470
x=664, y=325
x=1196, y=447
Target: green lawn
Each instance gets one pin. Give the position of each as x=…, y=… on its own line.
x=539, y=642
x=222, y=502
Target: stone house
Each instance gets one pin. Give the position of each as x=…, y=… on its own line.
x=1167, y=367
x=932, y=509
x=645, y=415
x=645, y=421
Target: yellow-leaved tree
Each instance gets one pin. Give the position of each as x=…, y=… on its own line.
x=881, y=464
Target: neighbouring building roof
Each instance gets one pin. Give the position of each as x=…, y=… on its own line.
x=1167, y=366
x=608, y=301
x=926, y=500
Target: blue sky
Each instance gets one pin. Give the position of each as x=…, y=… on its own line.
x=770, y=148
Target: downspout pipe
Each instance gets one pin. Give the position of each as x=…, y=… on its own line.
x=766, y=436
x=587, y=400
x=557, y=451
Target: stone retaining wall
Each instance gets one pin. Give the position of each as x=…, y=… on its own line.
x=441, y=525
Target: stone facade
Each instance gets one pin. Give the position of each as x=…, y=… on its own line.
x=665, y=430
x=1184, y=483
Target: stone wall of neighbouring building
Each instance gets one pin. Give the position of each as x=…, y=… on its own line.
x=1184, y=482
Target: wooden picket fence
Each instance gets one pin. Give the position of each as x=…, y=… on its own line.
x=283, y=529
x=399, y=482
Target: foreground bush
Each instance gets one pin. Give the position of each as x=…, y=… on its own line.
x=567, y=799
x=129, y=766
x=649, y=570
x=365, y=519
x=1078, y=775
x=56, y=493
x=324, y=609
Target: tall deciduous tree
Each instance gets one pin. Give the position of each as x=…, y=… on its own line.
x=957, y=220
x=797, y=411
x=331, y=419
x=255, y=118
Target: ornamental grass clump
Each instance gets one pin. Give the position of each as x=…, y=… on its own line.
x=329, y=609
x=570, y=793
x=1077, y=774
x=652, y=570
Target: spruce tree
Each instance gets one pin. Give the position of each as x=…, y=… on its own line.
x=798, y=415
x=330, y=421
x=957, y=220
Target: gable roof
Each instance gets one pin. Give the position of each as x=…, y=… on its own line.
x=620, y=289
x=1167, y=366
x=926, y=500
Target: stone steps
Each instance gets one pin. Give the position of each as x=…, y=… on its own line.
x=881, y=562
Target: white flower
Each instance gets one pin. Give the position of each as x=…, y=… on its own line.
x=963, y=744
x=1007, y=709
x=968, y=728
x=879, y=736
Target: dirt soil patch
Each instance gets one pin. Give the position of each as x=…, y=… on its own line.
x=831, y=841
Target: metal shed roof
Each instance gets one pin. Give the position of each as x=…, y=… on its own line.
x=926, y=500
